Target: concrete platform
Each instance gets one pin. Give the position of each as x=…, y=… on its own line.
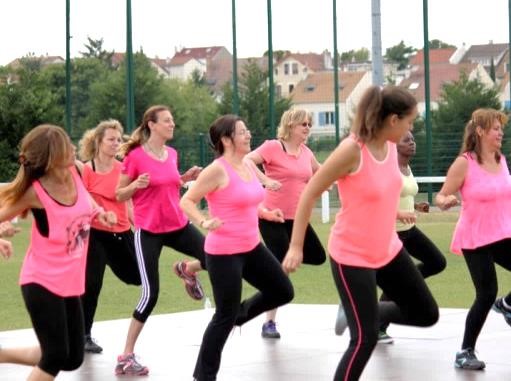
x=308, y=350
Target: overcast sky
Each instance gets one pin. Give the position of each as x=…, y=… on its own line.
x=162, y=26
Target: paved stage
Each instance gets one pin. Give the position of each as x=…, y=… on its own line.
x=308, y=349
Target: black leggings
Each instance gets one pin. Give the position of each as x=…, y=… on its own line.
x=58, y=324
x=260, y=269
x=419, y=246
x=276, y=236
x=148, y=246
x=117, y=250
x=481, y=265
x=412, y=304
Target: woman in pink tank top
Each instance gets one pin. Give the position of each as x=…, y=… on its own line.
x=365, y=251
x=53, y=273
x=233, y=249
x=483, y=231
x=288, y=164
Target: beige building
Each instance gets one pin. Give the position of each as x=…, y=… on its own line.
x=316, y=94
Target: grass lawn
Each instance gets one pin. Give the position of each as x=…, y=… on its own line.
x=313, y=284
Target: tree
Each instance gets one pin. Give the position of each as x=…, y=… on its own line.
x=107, y=97
x=277, y=54
x=438, y=44
x=25, y=103
x=360, y=55
x=95, y=50
x=254, y=95
x=399, y=53
x=457, y=102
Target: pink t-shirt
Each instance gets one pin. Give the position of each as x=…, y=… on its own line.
x=364, y=230
x=156, y=208
x=236, y=206
x=293, y=172
x=57, y=262
x=485, y=215
x=102, y=186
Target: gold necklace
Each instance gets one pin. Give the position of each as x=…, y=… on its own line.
x=159, y=155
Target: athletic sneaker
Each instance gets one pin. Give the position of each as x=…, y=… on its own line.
x=341, y=323
x=384, y=338
x=499, y=307
x=91, y=346
x=269, y=330
x=192, y=283
x=128, y=365
x=466, y=359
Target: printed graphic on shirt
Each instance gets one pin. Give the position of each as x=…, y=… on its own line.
x=77, y=234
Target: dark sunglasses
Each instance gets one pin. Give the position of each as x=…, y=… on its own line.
x=305, y=124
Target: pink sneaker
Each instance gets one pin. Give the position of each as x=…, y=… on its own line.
x=128, y=365
x=192, y=283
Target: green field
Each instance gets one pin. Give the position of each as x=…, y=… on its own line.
x=313, y=284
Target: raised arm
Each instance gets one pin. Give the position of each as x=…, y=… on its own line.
x=342, y=161
x=127, y=187
x=212, y=177
x=253, y=159
x=446, y=197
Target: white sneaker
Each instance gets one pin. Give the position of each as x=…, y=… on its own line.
x=341, y=322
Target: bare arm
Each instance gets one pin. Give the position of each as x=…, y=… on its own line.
x=127, y=187
x=211, y=178
x=253, y=159
x=315, y=164
x=342, y=161
x=446, y=198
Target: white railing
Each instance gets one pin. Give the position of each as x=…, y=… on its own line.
x=325, y=197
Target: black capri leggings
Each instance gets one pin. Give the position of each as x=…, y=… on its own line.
x=58, y=324
x=117, y=250
x=276, y=236
x=412, y=304
x=481, y=265
x=148, y=246
x=419, y=246
x=260, y=269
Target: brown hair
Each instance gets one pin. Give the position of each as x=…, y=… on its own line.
x=142, y=132
x=42, y=148
x=376, y=105
x=224, y=126
x=91, y=139
x=484, y=118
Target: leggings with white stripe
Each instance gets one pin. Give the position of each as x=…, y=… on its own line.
x=148, y=246
x=412, y=304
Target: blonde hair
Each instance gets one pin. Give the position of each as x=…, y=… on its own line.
x=142, y=132
x=377, y=104
x=91, y=139
x=290, y=118
x=484, y=118
x=42, y=149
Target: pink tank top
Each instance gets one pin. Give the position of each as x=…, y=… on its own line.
x=364, y=230
x=485, y=215
x=293, y=172
x=235, y=205
x=57, y=262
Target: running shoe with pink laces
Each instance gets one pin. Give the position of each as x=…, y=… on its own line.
x=192, y=283
x=129, y=366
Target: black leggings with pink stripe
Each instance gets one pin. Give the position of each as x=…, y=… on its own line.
x=412, y=304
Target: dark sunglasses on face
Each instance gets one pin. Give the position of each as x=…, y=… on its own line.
x=305, y=124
